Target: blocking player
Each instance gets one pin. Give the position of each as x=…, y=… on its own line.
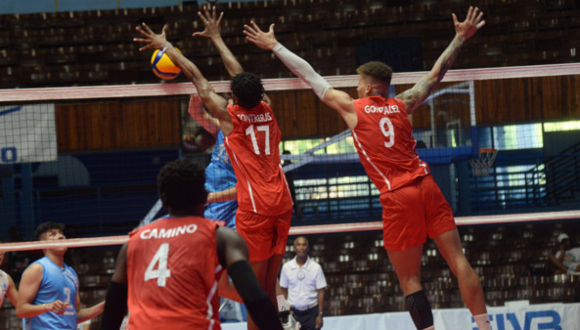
x=167, y=273
x=413, y=205
x=252, y=137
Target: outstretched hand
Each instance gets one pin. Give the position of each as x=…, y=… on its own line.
x=260, y=38
x=153, y=41
x=472, y=23
x=212, y=25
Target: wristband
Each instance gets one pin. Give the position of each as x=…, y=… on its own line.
x=44, y=307
x=167, y=45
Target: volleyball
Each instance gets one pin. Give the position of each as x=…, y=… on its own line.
x=163, y=67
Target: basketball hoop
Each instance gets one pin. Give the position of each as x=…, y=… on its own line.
x=482, y=164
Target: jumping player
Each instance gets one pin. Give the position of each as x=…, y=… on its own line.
x=413, y=205
x=167, y=273
x=252, y=137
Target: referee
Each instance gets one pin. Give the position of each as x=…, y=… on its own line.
x=302, y=282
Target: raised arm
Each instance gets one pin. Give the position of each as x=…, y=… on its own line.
x=197, y=112
x=415, y=96
x=213, y=32
x=338, y=100
x=214, y=103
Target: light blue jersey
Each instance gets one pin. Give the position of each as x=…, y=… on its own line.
x=219, y=176
x=57, y=284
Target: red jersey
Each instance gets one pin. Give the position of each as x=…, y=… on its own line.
x=385, y=144
x=173, y=270
x=252, y=146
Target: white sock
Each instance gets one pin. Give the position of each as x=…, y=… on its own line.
x=482, y=321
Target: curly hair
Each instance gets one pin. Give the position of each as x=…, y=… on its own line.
x=248, y=88
x=376, y=70
x=46, y=226
x=181, y=184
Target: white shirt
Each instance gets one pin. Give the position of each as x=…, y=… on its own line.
x=303, y=282
x=4, y=283
x=571, y=258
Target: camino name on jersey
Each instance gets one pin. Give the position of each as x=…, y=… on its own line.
x=168, y=233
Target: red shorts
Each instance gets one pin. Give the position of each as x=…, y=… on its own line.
x=265, y=235
x=412, y=212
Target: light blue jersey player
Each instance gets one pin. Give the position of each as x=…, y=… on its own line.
x=49, y=289
x=220, y=180
x=57, y=284
x=220, y=177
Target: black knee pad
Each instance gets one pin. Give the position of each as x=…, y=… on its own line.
x=420, y=309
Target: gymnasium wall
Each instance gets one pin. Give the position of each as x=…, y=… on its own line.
x=118, y=125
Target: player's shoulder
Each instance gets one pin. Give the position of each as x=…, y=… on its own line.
x=34, y=269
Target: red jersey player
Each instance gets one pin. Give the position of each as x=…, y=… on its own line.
x=169, y=269
x=413, y=205
x=252, y=137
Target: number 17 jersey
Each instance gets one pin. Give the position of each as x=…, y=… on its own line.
x=385, y=144
x=253, y=149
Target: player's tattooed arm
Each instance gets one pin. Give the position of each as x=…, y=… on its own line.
x=415, y=96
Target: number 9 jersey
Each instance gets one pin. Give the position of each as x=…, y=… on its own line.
x=385, y=144
x=173, y=270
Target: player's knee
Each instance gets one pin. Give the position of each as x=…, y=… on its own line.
x=410, y=283
x=420, y=309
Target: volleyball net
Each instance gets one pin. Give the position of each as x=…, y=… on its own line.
x=89, y=156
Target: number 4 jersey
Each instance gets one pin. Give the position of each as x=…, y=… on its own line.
x=253, y=149
x=385, y=144
x=173, y=270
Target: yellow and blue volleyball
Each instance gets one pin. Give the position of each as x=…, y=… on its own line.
x=163, y=67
